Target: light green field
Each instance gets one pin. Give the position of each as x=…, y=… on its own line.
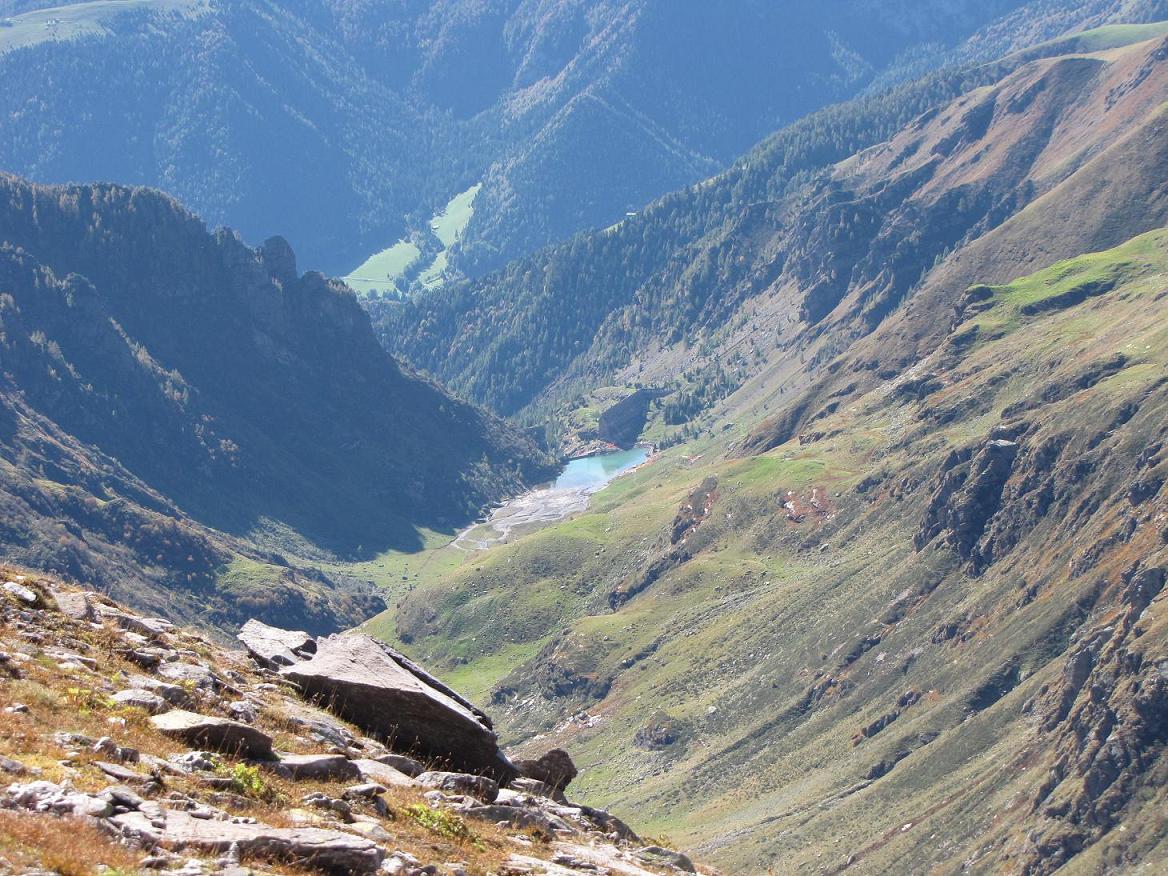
x=61, y=23
x=381, y=270
x=448, y=226
x=1114, y=36
x=434, y=275
x=1100, y=39
x=452, y=221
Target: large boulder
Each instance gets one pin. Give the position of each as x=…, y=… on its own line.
x=391, y=698
x=216, y=734
x=273, y=647
x=554, y=769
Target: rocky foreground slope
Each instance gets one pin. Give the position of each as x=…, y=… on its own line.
x=130, y=745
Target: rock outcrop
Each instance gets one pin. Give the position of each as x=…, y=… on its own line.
x=383, y=693
x=554, y=769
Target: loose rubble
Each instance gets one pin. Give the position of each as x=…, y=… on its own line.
x=191, y=757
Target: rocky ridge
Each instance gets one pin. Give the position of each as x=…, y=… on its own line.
x=164, y=752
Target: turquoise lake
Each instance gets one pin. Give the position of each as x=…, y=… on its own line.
x=593, y=472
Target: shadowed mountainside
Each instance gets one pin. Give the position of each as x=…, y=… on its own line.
x=170, y=395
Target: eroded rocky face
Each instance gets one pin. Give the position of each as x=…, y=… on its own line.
x=178, y=756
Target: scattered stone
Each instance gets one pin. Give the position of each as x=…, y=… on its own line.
x=150, y=627
x=533, y=787
x=401, y=763
x=375, y=771
x=326, y=851
x=200, y=676
x=319, y=766
x=174, y=694
x=74, y=604
x=195, y=761
x=318, y=800
x=366, y=791
x=273, y=647
x=42, y=796
x=667, y=857
x=139, y=698
x=519, y=817
x=371, y=828
x=13, y=767
x=119, y=773
x=122, y=754
x=241, y=710
x=218, y=734
x=68, y=657
x=21, y=593
x=379, y=690
x=461, y=783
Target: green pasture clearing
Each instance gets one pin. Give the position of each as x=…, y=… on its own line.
x=381, y=271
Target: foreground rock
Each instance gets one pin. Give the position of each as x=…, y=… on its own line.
x=387, y=696
x=217, y=734
x=328, y=851
x=318, y=766
x=479, y=787
x=332, y=800
x=273, y=647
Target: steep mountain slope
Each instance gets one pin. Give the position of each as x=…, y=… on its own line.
x=899, y=606
x=343, y=125
x=170, y=396
x=797, y=247
x=928, y=629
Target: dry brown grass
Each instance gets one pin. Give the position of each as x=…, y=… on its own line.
x=69, y=847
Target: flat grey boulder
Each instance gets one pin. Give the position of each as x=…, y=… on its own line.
x=324, y=851
x=175, y=694
x=319, y=766
x=392, y=699
x=216, y=734
x=141, y=699
x=404, y=764
x=74, y=604
x=518, y=817
x=21, y=593
x=384, y=774
x=273, y=647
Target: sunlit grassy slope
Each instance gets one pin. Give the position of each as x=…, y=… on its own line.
x=803, y=686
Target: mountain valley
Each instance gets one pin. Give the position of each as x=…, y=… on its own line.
x=760, y=424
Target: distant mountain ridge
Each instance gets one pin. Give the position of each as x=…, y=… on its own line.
x=343, y=125
x=160, y=377
x=805, y=244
